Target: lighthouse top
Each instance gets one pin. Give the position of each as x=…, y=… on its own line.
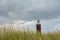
x=38, y=22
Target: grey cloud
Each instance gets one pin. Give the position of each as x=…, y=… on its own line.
x=31, y=9
x=3, y=20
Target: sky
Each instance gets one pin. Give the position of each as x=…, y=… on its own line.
x=28, y=11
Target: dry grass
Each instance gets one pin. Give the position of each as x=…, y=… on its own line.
x=12, y=34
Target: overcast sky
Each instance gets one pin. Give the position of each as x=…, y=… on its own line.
x=48, y=11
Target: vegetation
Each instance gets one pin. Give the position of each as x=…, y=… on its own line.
x=11, y=34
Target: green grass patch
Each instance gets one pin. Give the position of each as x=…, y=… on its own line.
x=12, y=34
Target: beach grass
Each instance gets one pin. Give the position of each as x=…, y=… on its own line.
x=12, y=34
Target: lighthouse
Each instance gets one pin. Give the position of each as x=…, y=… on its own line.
x=38, y=26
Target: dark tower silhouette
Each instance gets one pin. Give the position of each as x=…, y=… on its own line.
x=38, y=26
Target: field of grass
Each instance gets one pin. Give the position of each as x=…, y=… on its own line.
x=12, y=34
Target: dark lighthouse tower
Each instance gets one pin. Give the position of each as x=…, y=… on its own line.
x=38, y=26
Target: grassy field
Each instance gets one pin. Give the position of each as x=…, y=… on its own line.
x=12, y=34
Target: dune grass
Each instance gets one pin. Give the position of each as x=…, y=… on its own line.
x=12, y=34
x=51, y=36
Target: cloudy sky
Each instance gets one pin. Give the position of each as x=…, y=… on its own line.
x=48, y=11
